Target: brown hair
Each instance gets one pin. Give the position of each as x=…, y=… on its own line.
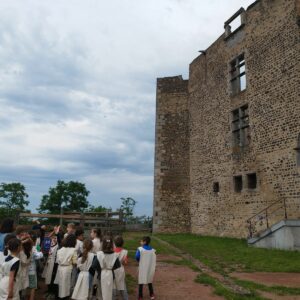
x=7, y=238
x=108, y=244
x=20, y=229
x=87, y=247
x=27, y=247
x=119, y=242
x=69, y=241
x=98, y=232
x=14, y=244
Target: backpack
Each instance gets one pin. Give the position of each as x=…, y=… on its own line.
x=46, y=245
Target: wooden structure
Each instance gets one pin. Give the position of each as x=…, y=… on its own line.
x=107, y=221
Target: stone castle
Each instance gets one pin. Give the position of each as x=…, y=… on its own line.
x=228, y=138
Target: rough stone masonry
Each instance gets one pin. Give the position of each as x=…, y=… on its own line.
x=228, y=138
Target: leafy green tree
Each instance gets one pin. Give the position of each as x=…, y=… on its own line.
x=13, y=198
x=99, y=208
x=71, y=196
x=127, y=206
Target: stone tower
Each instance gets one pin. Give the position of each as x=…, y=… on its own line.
x=171, y=186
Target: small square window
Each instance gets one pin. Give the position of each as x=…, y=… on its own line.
x=252, y=181
x=238, y=183
x=216, y=187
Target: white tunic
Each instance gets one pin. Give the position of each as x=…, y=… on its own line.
x=146, y=265
x=66, y=258
x=48, y=270
x=23, y=271
x=79, y=247
x=120, y=272
x=97, y=245
x=107, y=262
x=82, y=287
x=2, y=258
x=4, y=280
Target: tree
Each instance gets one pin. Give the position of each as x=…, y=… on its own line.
x=13, y=198
x=71, y=196
x=127, y=206
x=99, y=208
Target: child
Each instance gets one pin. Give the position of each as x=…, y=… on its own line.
x=4, y=254
x=120, y=284
x=32, y=273
x=66, y=258
x=9, y=269
x=96, y=238
x=146, y=257
x=21, y=232
x=50, y=269
x=70, y=229
x=25, y=260
x=105, y=263
x=82, y=290
x=79, y=233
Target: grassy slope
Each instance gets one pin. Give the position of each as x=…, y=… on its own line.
x=229, y=254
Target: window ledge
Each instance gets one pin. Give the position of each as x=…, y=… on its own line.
x=239, y=94
x=234, y=32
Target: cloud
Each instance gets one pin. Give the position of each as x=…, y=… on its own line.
x=77, y=88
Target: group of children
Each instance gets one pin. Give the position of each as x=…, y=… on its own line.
x=74, y=267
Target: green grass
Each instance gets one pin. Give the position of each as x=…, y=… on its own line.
x=132, y=242
x=221, y=290
x=229, y=254
x=279, y=290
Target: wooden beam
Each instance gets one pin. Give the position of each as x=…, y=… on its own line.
x=68, y=217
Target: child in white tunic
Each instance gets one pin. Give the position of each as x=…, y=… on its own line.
x=66, y=258
x=146, y=257
x=96, y=238
x=83, y=287
x=25, y=260
x=48, y=270
x=32, y=272
x=106, y=262
x=9, y=285
x=120, y=285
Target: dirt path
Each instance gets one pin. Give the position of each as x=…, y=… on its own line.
x=171, y=281
x=269, y=279
x=174, y=282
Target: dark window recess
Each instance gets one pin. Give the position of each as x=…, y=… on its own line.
x=156, y=214
x=298, y=151
x=252, y=181
x=238, y=183
x=216, y=187
x=240, y=126
x=238, y=75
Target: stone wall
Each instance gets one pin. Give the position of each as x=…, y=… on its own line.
x=269, y=40
x=171, y=186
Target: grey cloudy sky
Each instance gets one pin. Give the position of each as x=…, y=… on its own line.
x=77, y=88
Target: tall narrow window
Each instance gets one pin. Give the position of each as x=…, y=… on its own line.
x=240, y=126
x=238, y=75
x=238, y=183
x=216, y=187
x=252, y=181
